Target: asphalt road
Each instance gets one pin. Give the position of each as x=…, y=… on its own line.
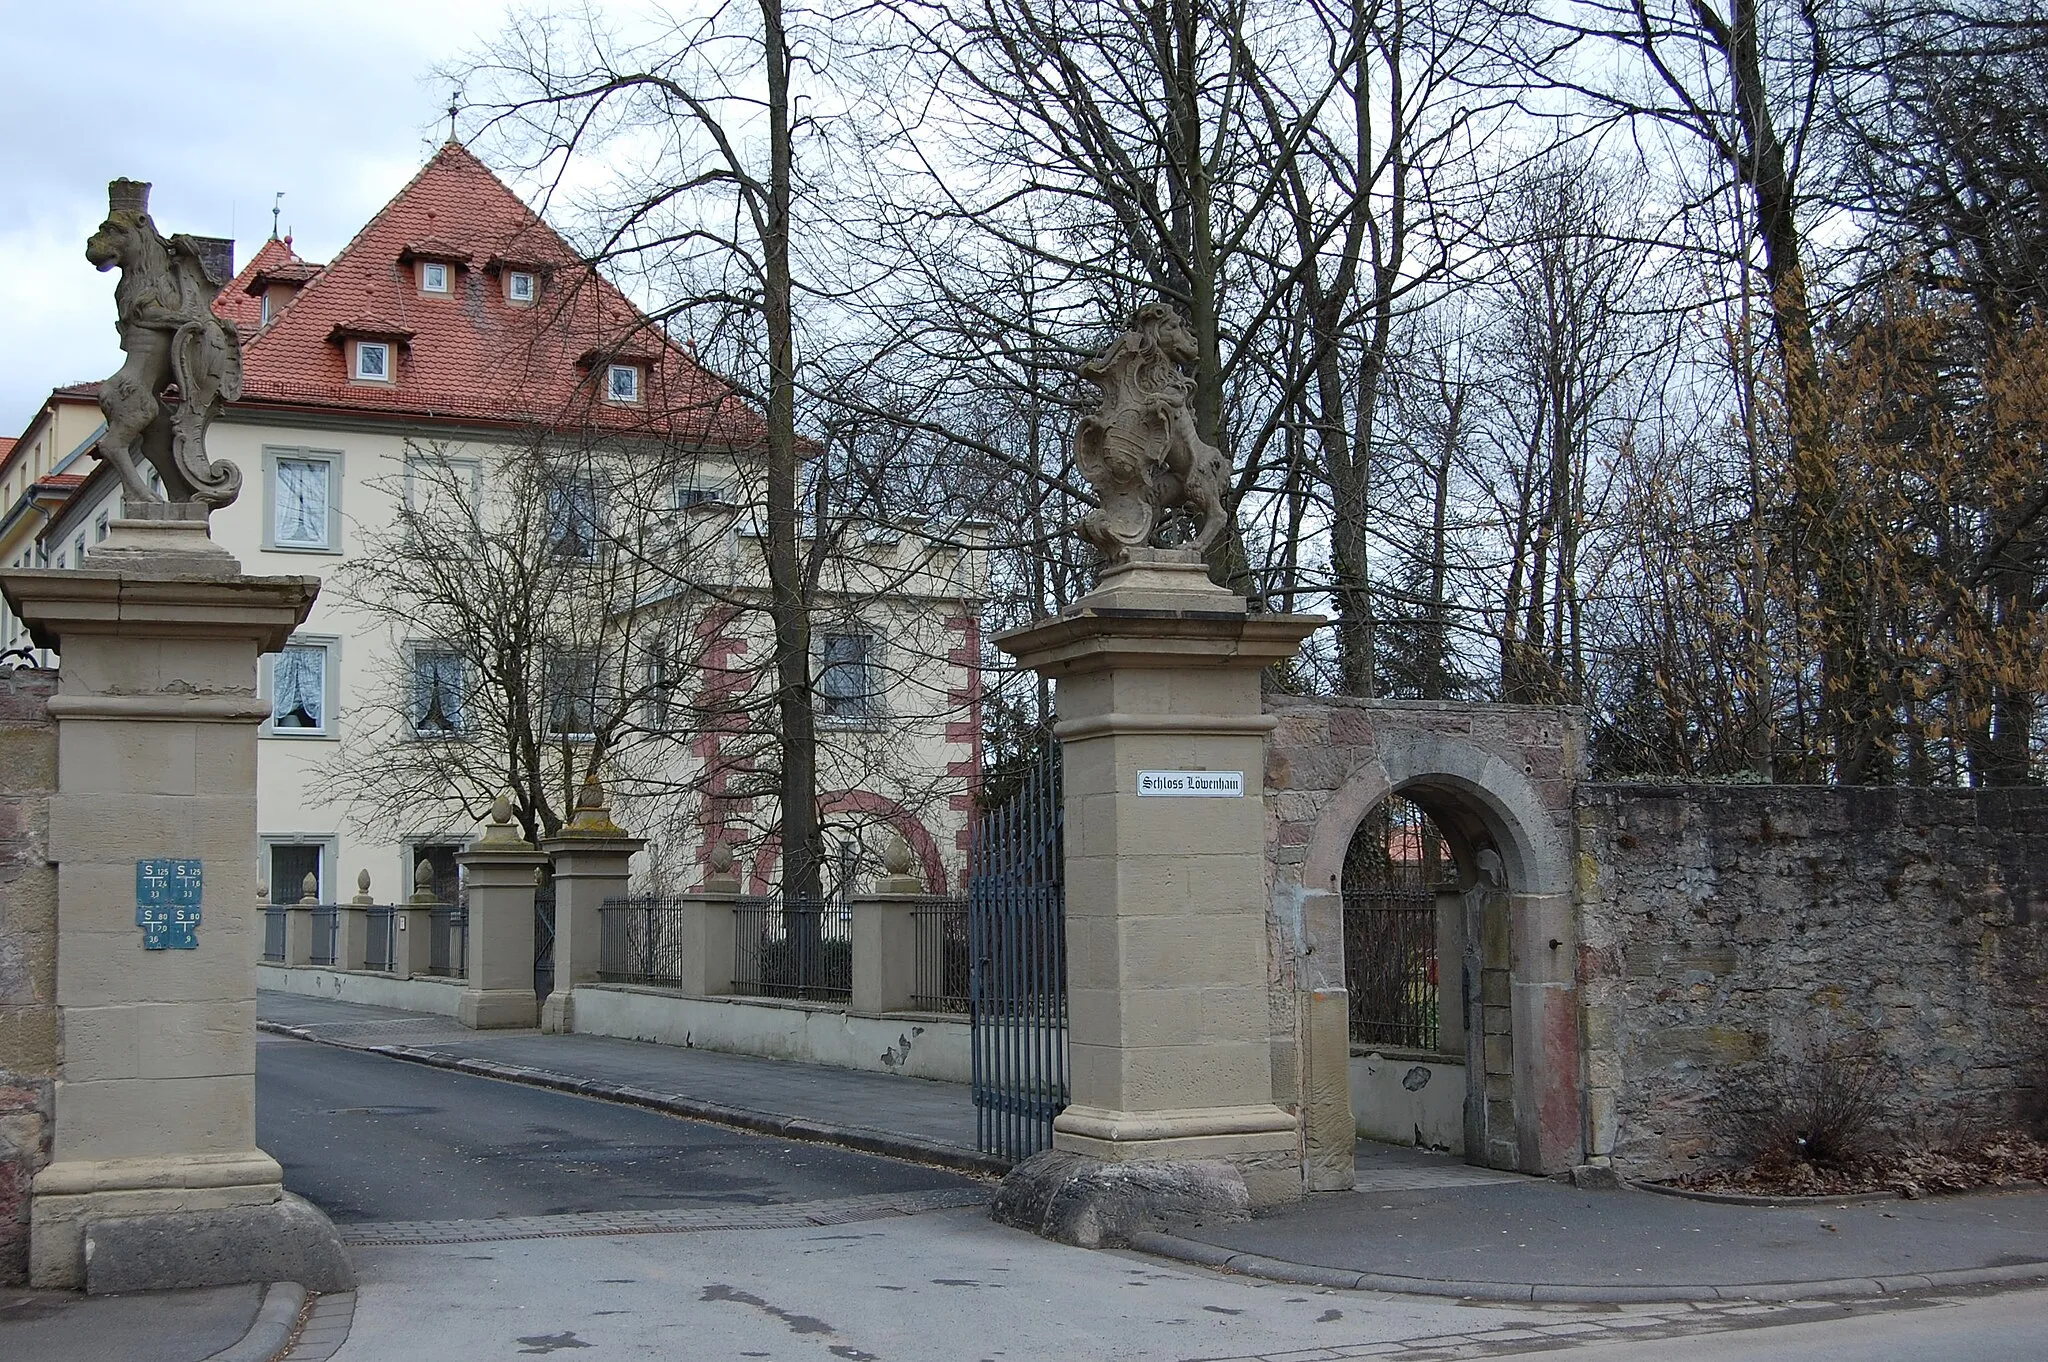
x=367, y=1138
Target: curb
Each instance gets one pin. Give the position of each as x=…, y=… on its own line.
x=1194, y=1251
x=906, y=1147
x=275, y=1319
x=1791, y=1203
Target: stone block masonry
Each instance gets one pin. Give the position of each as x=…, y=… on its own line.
x=1725, y=931
x=28, y=953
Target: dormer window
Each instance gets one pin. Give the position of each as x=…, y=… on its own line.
x=373, y=361
x=622, y=382
x=521, y=287
x=264, y=320
x=433, y=277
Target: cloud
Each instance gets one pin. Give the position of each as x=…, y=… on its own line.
x=219, y=106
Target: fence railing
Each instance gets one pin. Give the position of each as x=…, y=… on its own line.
x=380, y=947
x=793, y=948
x=448, y=941
x=640, y=941
x=943, y=957
x=273, y=932
x=1390, y=967
x=326, y=931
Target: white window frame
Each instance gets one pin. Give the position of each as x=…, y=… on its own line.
x=875, y=707
x=512, y=296
x=330, y=859
x=78, y=549
x=446, y=276
x=611, y=379
x=362, y=347
x=413, y=653
x=263, y=316
x=275, y=454
x=99, y=527
x=688, y=494
x=330, y=725
x=456, y=469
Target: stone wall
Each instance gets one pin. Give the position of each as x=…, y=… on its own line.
x=1727, y=931
x=28, y=957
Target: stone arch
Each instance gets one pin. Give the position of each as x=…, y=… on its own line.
x=1505, y=790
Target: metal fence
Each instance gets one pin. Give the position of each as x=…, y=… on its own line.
x=326, y=932
x=640, y=941
x=943, y=959
x=273, y=932
x=382, y=946
x=793, y=948
x=1390, y=967
x=448, y=941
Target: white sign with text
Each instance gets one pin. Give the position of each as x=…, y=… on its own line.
x=1192, y=784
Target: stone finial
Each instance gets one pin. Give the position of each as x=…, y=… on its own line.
x=363, y=886
x=896, y=855
x=502, y=831
x=592, y=817
x=423, y=882
x=309, y=888
x=262, y=892
x=722, y=879
x=1140, y=450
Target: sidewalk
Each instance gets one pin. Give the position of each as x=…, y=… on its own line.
x=227, y=1323
x=1419, y=1224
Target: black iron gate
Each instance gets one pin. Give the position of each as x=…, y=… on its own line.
x=544, y=938
x=1017, y=985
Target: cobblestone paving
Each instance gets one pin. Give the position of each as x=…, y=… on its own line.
x=839, y=1211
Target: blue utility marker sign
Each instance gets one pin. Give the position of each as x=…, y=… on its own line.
x=167, y=895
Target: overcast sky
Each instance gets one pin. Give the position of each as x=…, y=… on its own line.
x=333, y=104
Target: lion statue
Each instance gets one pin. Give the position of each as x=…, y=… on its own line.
x=1140, y=450
x=183, y=361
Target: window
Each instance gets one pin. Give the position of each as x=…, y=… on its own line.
x=303, y=491
x=444, y=876
x=689, y=496
x=846, y=680
x=433, y=277
x=373, y=361
x=572, y=693
x=441, y=500
x=661, y=686
x=264, y=318
x=437, y=692
x=99, y=528
x=78, y=550
x=60, y=559
x=290, y=864
x=304, y=681
x=519, y=287
x=622, y=382
x=572, y=528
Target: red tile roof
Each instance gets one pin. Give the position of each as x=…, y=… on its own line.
x=240, y=302
x=6, y=447
x=473, y=356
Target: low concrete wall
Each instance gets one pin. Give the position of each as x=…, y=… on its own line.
x=28, y=953
x=1403, y=1099
x=917, y=1045
x=442, y=997
x=1727, y=930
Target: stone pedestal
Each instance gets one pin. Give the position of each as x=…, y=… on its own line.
x=156, y=716
x=885, y=952
x=710, y=938
x=1164, y=745
x=498, y=874
x=412, y=939
x=591, y=857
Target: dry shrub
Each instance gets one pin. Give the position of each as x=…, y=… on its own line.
x=1829, y=1111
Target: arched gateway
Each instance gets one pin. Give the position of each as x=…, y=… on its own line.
x=1498, y=781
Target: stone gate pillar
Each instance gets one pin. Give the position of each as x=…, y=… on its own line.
x=591, y=856
x=1164, y=744
x=153, y=833
x=498, y=875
